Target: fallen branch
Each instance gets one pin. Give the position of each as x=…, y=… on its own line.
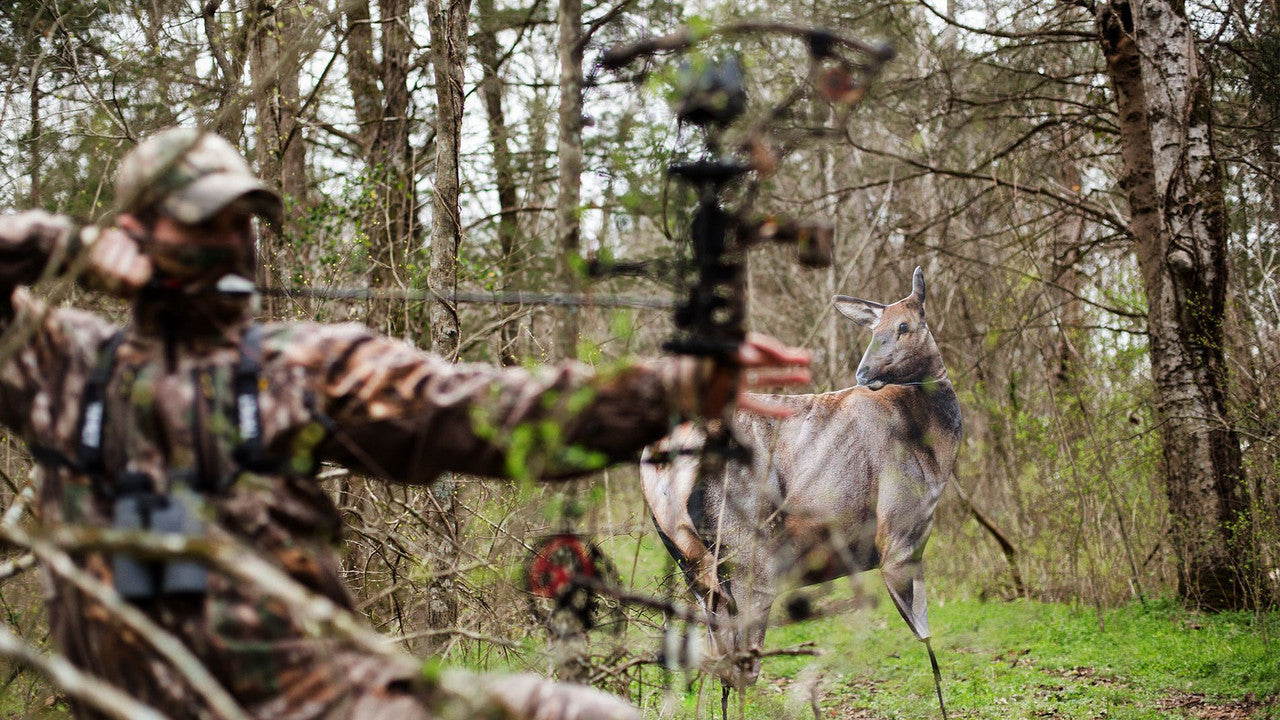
x=809, y=648
x=1006, y=547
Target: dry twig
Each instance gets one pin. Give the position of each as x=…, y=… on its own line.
x=89, y=690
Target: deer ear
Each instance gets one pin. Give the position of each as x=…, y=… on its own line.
x=917, y=286
x=862, y=312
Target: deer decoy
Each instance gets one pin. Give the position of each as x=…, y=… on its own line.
x=848, y=483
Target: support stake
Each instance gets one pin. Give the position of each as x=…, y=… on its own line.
x=937, y=677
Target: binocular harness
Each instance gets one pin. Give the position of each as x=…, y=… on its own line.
x=141, y=503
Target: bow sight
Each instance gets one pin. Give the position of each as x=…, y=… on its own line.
x=713, y=96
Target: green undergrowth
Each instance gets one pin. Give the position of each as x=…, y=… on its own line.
x=1017, y=660
x=1020, y=659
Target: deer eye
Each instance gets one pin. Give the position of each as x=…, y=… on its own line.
x=903, y=328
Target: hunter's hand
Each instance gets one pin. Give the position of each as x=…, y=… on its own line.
x=116, y=264
x=768, y=363
x=762, y=362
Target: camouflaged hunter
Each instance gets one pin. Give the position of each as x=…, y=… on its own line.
x=192, y=418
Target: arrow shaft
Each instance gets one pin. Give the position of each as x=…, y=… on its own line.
x=487, y=298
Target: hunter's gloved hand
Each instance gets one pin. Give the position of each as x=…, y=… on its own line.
x=116, y=264
x=766, y=363
x=30, y=239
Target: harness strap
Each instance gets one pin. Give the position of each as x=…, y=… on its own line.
x=51, y=457
x=247, y=386
x=135, y=503
x=89, y=452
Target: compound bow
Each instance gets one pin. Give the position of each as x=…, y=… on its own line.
x=711, y=319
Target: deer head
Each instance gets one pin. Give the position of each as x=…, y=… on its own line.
x=902, y=350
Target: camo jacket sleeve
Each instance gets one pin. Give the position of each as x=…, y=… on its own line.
x=406, y=415
x=27, y=243
x=45, y=353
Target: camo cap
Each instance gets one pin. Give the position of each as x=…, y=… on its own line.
x=191, y=175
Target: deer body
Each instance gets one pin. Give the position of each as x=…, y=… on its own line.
x=846, y=484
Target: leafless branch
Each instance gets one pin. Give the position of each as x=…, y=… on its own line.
x=17, y=566
x=89, y=690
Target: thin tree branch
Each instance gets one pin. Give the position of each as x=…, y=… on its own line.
x=1035, y=35
x=1089, y=209
x=85, y=688
x=1006, y=546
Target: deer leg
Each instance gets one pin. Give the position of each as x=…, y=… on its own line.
x=904, y=519
x=906, y=588
x=755, y=592
x=903, y=573
x=905, y=582
x=937, y=678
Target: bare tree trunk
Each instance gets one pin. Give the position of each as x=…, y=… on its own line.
x=33, y=141
x=1065, y=273
x=390, y=157
x=362, y=74
x=1174, y=184
x=448, y=56
x=281, y=152
x=380, y=96
x=380, y=91
x=569, y=198
x=831, y=211
x=491, y=92
x=569, y=651
x=229, y=61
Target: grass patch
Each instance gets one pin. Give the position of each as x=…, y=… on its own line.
x=1023, y=660
x=999, y=660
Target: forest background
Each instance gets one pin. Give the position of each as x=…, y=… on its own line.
x=1093, y=190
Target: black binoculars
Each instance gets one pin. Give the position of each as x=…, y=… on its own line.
x=139, y=507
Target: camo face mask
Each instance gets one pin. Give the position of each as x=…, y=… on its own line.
x=197, y=264
x=190, y=283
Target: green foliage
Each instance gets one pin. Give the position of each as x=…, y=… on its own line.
x=538, y=447
x=35, y=29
